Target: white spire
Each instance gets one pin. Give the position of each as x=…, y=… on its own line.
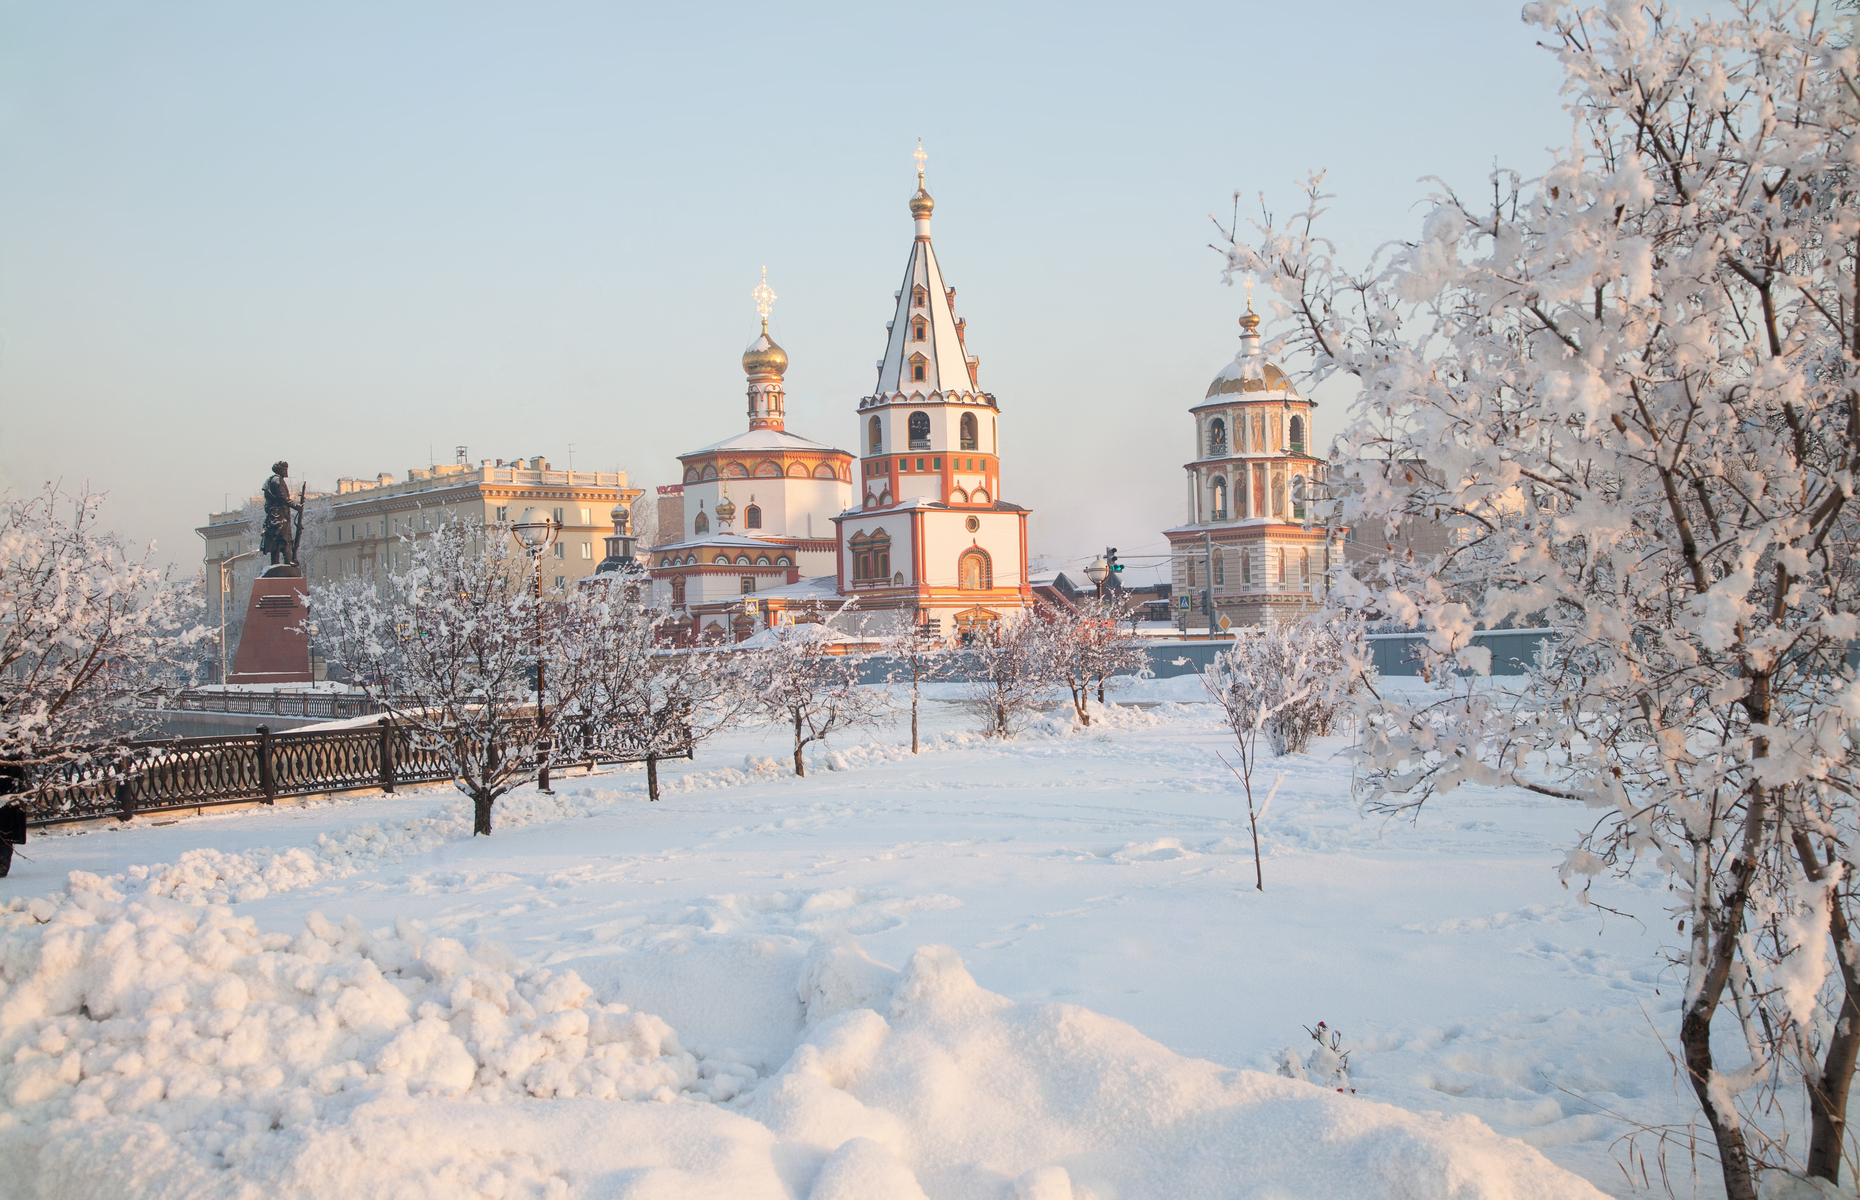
x=924, y=332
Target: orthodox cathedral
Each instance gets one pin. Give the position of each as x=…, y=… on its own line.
x=1247, y=552
x=781, y=528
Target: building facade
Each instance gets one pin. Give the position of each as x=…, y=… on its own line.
x=757, y=508
x=1248, y=550
x=931, y=542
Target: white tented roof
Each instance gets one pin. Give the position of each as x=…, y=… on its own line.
x=947, y=368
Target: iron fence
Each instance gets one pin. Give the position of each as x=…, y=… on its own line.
x=330, y=706
x=188, y=773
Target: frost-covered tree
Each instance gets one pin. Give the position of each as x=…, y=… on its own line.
x=919, y=655
x=85, y=627
x=1090, y=644
x=448, y=646
x=1011, y=665
x=616, y=684
x=795, y=677
x=1635, y=383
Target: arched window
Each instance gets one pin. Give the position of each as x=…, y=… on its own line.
x=700, y=526
x=752, y=517
x=1220, y=497
x=1304, y=565
x=678, y=590
x=871, y=555
x=1298, y=435
x=918, y=365
x=875, y=434
x=974, y=573
x=1246, y=567
x=1217, y=438
x=1298, y=494
x=920, y=329
x=968, y=431
x=920, y=431
x=918, y=296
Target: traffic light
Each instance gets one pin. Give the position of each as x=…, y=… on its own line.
x=1110, y=557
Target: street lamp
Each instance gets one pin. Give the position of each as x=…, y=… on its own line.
x=534, y=532
x=1097, y=573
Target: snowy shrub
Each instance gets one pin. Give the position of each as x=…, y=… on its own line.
x=794, y=676
x=1626, y=391
x=1011, y=665
x=1091, y=644
x=919, y=656
x=1287, y=681
x=84, y=628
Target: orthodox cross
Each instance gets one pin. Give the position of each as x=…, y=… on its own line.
x=764, y=297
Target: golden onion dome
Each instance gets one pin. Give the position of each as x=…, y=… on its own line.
x=725, y=510
x=617, y=513
x=764, y=357
x=921, y=203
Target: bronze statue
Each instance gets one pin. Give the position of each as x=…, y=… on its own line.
x=277, y=538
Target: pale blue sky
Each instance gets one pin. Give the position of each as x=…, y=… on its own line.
x=343, y=232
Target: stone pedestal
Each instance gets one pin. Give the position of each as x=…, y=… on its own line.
x=271, y=649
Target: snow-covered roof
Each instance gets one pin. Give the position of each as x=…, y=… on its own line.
x=820, y=587
x=762, y=439
x=726, y=540
x=917, y=502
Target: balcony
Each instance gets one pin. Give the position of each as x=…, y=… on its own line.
x=920, y=443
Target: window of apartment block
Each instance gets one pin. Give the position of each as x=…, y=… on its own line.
x=561, y=581
x=503, y=514
x=585, y=519
x=587, y=550
x=558, y=516
x=559, y=552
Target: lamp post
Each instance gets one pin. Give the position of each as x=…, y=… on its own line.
x=534, y=532
x=1098, y=572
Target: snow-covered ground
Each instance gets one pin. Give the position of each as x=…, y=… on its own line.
x=1036, y=968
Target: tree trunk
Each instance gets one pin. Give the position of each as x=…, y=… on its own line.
x=1733, y=1156
x=913, y=720
x=1827, y=1095
x=652, y=776
x=800, y=768
x=481, y=814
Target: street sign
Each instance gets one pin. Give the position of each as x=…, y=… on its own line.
x=1182, y=603
x=752, y=606
x=1225, y=623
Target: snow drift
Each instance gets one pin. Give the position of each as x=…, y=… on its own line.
x=151, y=1047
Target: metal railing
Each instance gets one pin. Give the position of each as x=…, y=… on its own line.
x=330, y=706
x=187, y=773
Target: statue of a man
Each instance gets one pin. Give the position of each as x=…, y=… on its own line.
x=276, y=539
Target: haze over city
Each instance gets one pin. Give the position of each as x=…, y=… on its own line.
x=360, y=236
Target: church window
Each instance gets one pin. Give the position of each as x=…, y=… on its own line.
x=920, y=431
x=701, y=525
x=918, y=295
x=752, y=517
x=1220, y=497
x=1298, y=496
x=1217, y=438
x=748, y=585
x=968, y=432
x=875, y=432
x=1298, y=435
x=919, y=329
x=917, y=369
x=871, y=555
x=678, y=590
x=1246, y=567
x=1304, y=566
x=974, y=573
